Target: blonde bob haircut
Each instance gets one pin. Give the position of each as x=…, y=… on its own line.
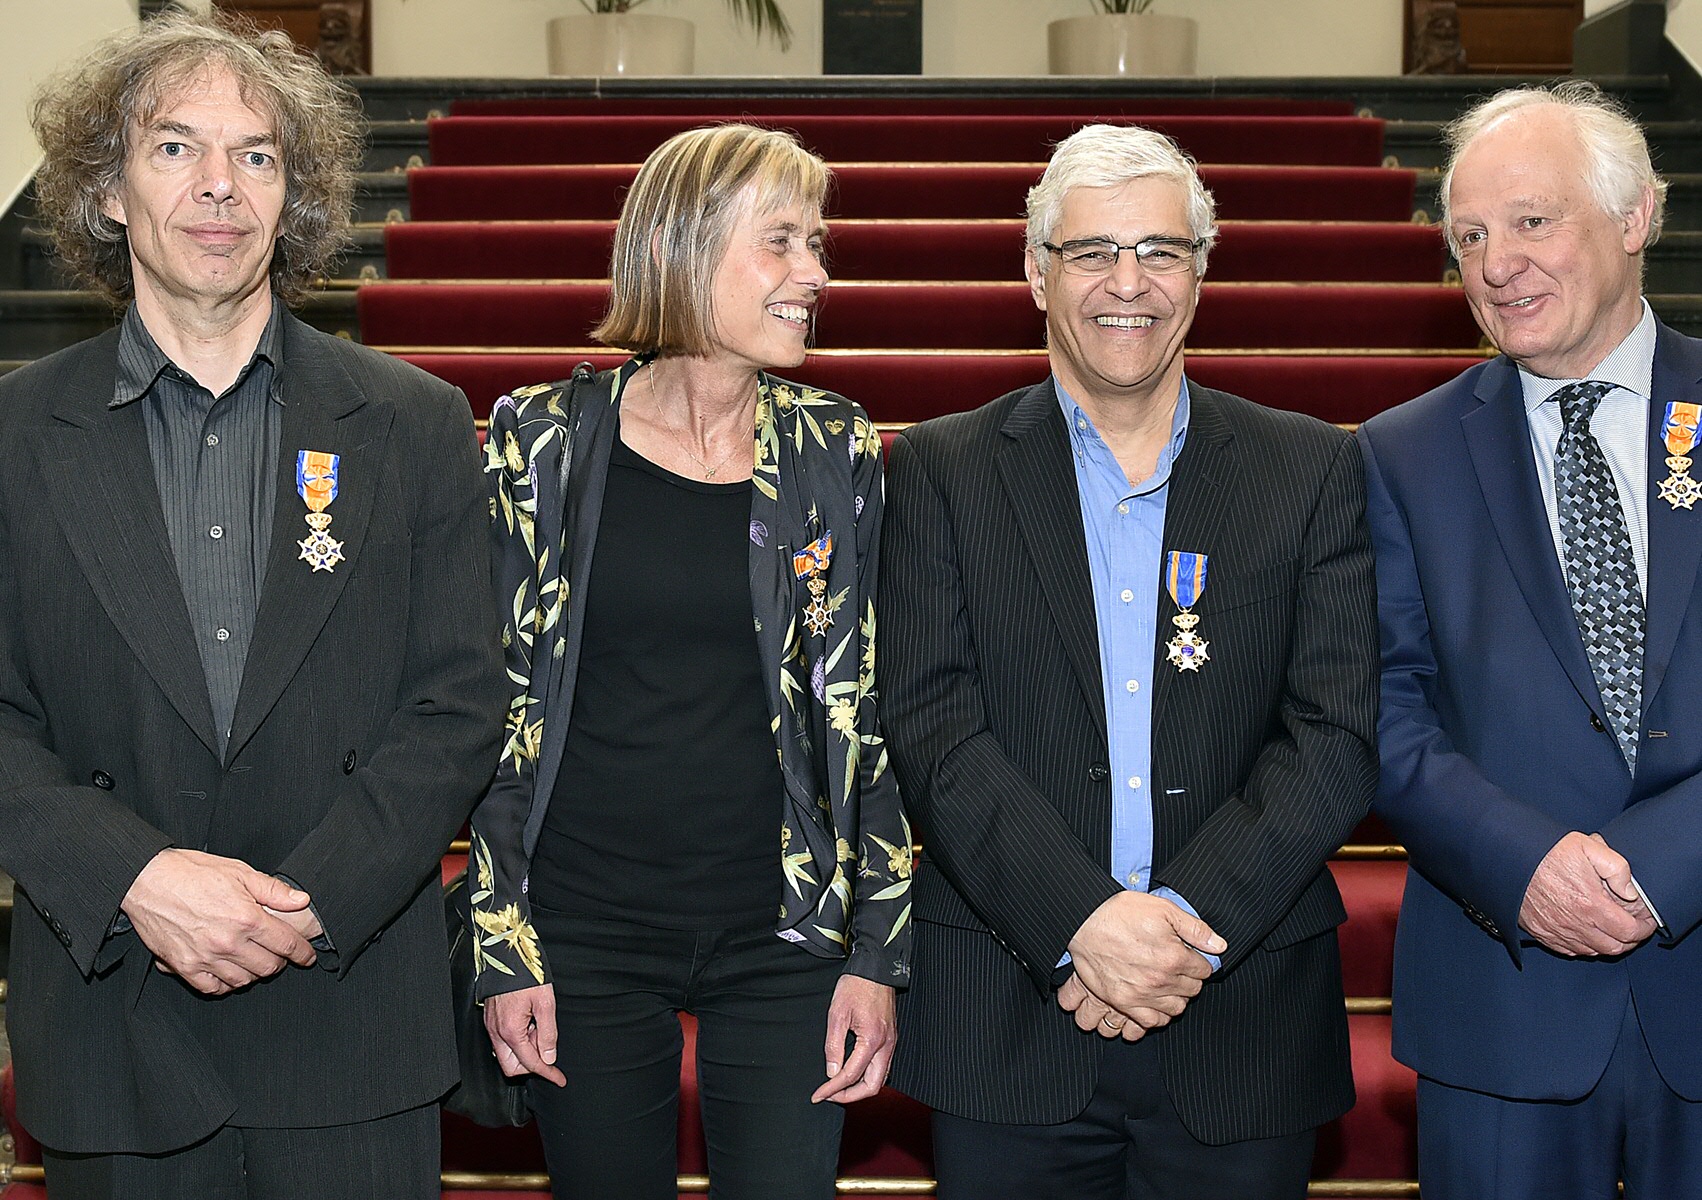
x=675, y=224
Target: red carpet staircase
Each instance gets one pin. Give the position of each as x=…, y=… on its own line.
x=1324, y=296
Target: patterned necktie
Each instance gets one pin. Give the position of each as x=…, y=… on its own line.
x=1600, y=569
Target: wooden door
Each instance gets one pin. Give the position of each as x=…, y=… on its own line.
x=1525, y=37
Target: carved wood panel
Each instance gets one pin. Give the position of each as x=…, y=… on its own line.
x=338, y=31
x=1490, y=36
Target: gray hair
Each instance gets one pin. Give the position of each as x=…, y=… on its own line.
x=85, y=116
x=1618, y=167
x=1109, y=156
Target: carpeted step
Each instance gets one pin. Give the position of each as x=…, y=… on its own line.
x=893, y=190
x=902, y=388
x=708, y=109
x=1378, y=1137
x=938, y=316
x=1279, y=251
x=1315, y=141
x=1372, y=893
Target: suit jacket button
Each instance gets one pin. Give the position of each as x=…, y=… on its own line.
x=1596, y=724
x=349, y=763
x=1099, y=772
x=102, y=780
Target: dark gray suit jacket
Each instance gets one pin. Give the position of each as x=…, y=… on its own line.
x=1262, y=762
x=366, y=727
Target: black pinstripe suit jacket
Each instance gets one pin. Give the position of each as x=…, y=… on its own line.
x=1262, y=762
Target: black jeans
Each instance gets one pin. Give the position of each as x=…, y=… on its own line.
x=761, y=1007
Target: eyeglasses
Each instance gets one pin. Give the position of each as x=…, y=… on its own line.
x=1099, y=256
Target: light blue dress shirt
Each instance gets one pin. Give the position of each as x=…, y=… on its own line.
x=1124, y=533
x=1621, y=426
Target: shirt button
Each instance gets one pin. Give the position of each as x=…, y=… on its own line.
x=1080, y=424
x=216, y=532
x=223, y=635
x=212, y=439
x=1126, y=596
x=1124, y=509
x=1134, y=685
x=1134, y=879
x=1134, y=781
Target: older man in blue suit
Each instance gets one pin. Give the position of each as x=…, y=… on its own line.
x=1538, y=536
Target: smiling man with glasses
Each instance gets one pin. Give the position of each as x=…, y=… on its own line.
x=1129, y=667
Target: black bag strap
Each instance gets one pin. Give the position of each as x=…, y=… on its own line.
x=583, y=373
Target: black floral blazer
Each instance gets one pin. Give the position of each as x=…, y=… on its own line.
x=843, y=858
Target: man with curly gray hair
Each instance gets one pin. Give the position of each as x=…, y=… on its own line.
x=250, y=681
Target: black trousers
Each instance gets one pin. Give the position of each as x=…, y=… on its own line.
x=392, y=1158
x=761, y=1008
x=1128, y=1144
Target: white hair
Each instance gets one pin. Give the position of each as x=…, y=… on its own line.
x=1110, y=156
x=1617, y=167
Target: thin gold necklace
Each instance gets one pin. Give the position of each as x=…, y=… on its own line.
x=708, y=471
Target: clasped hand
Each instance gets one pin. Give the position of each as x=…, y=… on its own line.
x=1138, y=962
x=1581, y=901
x=216, y=922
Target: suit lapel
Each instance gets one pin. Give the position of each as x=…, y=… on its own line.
x=324, y=409
x=1201, y=491
x=100, y=480
x=1675, y=534
x=1498, y=438
x=1040, y=482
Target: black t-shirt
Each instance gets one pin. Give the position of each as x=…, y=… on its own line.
x=668, y=807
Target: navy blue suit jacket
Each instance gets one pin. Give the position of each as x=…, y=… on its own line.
x=1490, y=754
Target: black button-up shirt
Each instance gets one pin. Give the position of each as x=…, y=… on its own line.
x=216, y=465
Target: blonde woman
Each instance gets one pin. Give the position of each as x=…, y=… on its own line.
x=693, y=810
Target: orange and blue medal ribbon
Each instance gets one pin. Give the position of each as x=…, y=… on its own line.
x=316, y=484
x=1185, y=580
x=810, y=564
x=1679, y=430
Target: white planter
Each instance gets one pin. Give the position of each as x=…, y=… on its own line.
x=621, y=44
x=1122, y=44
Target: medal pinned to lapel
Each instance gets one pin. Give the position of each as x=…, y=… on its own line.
x=1185, y=579
x=1679, y=432
x=316, y=481
x=811, y=563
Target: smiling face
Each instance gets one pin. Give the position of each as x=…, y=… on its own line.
x=1553, y=280
x=201, y=195
x=768, y=286
x=1118, y=336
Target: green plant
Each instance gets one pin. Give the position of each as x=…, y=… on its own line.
x=1122, y=6
x=764, y=16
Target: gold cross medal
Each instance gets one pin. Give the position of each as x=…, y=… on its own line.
x=1185, y=579
x=1679, y=432
x=316, y=481
x=811, y=564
